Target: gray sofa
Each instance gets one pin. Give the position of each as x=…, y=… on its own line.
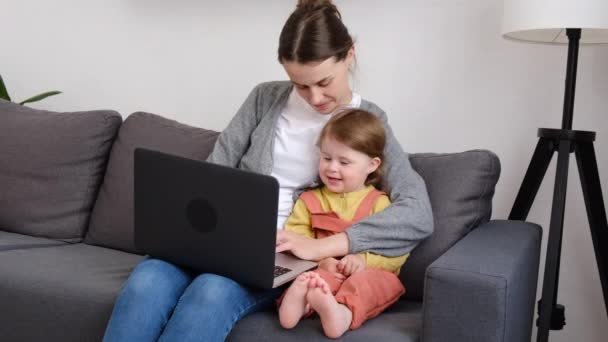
x=66, y=237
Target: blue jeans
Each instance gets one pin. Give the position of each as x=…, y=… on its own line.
x=163, y=302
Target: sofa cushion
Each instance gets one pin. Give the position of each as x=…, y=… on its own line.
x=51, y=168
x=112, y=218
x=401, y=322
x=460, y=187
x=10, y=241
x=62, y=293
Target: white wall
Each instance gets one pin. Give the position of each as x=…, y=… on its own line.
x=438, y=67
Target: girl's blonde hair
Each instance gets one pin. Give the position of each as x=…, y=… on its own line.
x=362, y=131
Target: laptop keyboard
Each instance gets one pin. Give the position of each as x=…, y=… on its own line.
x=279, y=271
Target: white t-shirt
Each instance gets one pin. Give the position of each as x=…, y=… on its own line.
x=295, y=155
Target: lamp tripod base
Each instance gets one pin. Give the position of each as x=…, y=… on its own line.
x=564, y=142
x=558, y=316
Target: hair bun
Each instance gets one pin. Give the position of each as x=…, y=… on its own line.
x=311, y=5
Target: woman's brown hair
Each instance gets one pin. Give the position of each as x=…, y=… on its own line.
x=314, y=32
x=362, y=131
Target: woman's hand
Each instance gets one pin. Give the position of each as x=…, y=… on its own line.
x=331, y=265
x=312, y=249
x=301, y=246
x=350, y=264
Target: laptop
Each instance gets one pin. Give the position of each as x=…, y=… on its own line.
x=210, y=218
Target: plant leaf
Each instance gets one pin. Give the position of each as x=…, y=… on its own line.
x=40, y=97
x=3, y=92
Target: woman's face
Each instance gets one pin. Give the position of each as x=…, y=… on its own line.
x=324, y=85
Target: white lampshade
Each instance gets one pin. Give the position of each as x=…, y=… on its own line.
x=546, y=20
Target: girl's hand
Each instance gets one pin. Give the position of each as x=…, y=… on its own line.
x=301, y=246
x=350, y=264
x=331, y=265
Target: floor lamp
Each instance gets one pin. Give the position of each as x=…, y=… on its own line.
x=571, y=22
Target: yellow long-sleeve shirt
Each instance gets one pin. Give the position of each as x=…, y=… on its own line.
x=345, y=206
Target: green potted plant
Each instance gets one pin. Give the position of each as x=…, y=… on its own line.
x=4, y=94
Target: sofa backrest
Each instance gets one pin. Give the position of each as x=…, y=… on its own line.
x=51, y=166
x=460, y=187
x=111, y=223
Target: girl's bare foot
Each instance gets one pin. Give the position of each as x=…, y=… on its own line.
x=335, y=317
x=294, y=304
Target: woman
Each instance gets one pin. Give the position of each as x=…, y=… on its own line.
x=274, y=132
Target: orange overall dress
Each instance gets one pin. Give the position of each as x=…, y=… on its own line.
x=366, y=293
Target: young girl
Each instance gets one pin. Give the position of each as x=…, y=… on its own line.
x=347, y=292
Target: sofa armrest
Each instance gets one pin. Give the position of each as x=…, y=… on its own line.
x=484, y=287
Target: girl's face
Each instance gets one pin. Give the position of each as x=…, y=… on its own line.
x=343, y=169
x=324, y=85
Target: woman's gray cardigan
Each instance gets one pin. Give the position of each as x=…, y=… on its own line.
x=247, y=143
